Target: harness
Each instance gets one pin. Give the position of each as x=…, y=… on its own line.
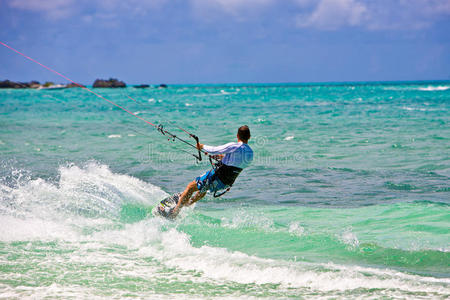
x=225, y=173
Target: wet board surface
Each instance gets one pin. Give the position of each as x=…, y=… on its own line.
x=166, y=206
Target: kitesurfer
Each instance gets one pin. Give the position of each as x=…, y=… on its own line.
x=233, y=158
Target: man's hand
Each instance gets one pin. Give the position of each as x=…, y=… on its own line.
x=218, y=156
x=199, y=146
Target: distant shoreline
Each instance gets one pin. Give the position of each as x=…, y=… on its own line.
x=98, y=83
x=114, y=83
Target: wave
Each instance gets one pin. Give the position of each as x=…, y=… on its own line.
x=97, y=236
x=316, y=238
x=408, y=108
x=149, y=257
x=90, y=191
x=430, y=88
x=435, y=88
x=221, y=264
x=114, y=136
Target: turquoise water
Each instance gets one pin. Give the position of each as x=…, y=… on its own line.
x=348, y=196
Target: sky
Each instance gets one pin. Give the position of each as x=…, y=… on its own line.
x=226, y=41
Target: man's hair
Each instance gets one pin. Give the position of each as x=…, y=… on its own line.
x=244, y=133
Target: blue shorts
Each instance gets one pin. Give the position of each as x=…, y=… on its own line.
x=209, y=182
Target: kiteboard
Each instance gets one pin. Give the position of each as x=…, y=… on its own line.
x=165, y=207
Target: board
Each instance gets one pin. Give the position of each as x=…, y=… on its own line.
x=165, y=207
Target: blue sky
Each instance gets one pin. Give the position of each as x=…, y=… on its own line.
x=226, y=41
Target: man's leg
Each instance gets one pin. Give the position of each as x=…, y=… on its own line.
x=185, y=196
x=199, y=195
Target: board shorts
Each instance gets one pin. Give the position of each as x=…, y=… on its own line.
x=209, y=182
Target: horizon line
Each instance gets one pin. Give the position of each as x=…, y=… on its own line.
x=357, y=82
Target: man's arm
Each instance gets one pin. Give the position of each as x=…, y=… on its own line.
x=216, y=156
x=223, y=149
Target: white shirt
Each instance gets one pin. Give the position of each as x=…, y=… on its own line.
x=236, y=154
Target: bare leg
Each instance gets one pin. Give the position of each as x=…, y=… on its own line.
x=185, y=196
x=196, y=197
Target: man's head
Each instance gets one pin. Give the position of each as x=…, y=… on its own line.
x=243, y=133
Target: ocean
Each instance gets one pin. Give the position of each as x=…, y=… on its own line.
x=348, y=195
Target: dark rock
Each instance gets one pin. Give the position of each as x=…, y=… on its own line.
x=6, y=84
x=72, y=85
x=34, y=84
x=163, y=86
x=141, y=86
x=111, y=83
x=24, y=85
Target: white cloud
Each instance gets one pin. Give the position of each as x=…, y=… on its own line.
x=334, y=14
x=134, y=7
x=318, y=14
x=239, y=9
x=60, y=9
x=409, y=15
x=304, y=3
x=372, y=15
x=233, y=6
x=53, y=9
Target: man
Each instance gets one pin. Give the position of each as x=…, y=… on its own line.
x=234, y=157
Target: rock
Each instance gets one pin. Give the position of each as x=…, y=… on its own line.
x=111, y=83
x=34, y=84
x=141, y=86
x=163, y=86
x=72, y=85
x=6, y=84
